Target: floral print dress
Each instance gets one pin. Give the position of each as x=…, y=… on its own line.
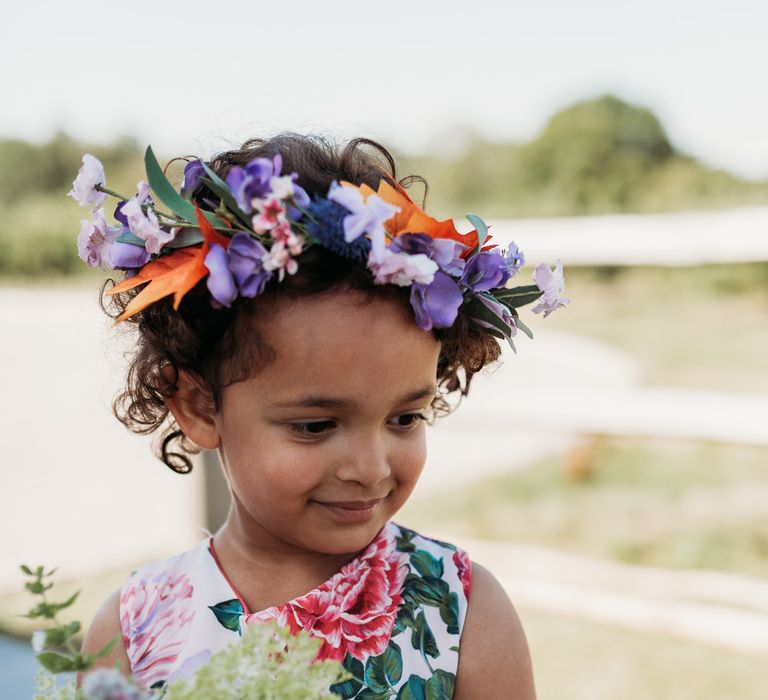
x=392, y=616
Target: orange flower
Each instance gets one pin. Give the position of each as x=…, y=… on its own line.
x=175, y=273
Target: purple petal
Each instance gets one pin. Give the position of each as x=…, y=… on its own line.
x=246, y=261
x=436, y=305
x=193, y=171
x=485, y=271
x=126, y=256
x=220, y=283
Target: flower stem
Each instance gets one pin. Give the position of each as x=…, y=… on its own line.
x=101, y=188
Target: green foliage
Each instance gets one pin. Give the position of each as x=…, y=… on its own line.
x=279, y=666
x=596, y=156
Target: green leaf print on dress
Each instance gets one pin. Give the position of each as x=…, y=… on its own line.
x=228, y=613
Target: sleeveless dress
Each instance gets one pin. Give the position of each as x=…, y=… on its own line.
x=400, y=604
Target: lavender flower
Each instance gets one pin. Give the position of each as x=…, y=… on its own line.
x=109, y=684
x=220, y=282
x=84, y=187
x=98, y=246
x=485, y=271
x=436, y=305
x=446, y=253
x=367, y=215
x=144, y=225
x=514, y=258
x=253, y=181
x=552, y=283
x=246, y=261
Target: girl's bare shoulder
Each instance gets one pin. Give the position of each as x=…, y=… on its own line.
x=494, y=659
x=104, y=628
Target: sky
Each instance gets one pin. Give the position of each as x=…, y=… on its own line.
x=192, y=77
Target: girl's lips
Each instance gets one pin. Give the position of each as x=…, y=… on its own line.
x=351, y=511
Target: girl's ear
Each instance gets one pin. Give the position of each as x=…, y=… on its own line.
x=193, y=408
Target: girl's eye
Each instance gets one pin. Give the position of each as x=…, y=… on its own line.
x=408, y=420
x=313, y=428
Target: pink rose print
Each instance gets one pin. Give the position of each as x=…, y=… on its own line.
x=464, y=565
x=154, y=613
x=353, y=612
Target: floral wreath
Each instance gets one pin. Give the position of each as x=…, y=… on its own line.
x=258, y=223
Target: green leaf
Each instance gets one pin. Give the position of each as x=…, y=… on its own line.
x=449, y=613
x=131, y=238
x=168, y=195
x=422, y=637
x=56, y=663
x=481, y=227
x=350, y=687
x=385, y=670
x=518, y=296
x=523, y=328
x=404, y=543
x=57, y=636
x=367, y=694
x=26, y=570
x=414, y=689
x=67, y=603
x=426, y=564
x=228, y=614
x=186, y=237
x=427, y=590
x=440, y=686
x=404, y=619
x=477, y=310
x=35, y=587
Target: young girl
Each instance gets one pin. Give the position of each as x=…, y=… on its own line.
x=298, y=313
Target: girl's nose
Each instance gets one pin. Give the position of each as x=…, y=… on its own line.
x=366, y=462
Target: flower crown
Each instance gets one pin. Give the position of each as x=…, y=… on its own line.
x=258, y=221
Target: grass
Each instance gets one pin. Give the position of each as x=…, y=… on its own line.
x=703, y=327
x=674, y=504
x=581, y=660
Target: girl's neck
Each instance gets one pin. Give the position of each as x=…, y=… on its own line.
x=267, y=571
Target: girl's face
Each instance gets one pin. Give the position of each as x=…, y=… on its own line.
x=323, y=445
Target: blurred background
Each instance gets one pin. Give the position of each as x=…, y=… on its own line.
x=613, y=474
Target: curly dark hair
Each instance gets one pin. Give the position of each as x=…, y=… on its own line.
x=210, y=343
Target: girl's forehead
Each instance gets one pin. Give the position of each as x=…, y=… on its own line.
x=346, y=340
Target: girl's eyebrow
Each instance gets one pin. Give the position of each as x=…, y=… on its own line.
x=319, y=401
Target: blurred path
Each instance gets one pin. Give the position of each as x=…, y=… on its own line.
x=721, y=610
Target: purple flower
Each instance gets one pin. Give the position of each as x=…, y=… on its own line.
x=367, y=215
x=220, y=282
x=499, y=310
x=514, y=258
x=84, y=187
x=485, y=271
x=446, y=253
x=436, y=305
x=246, y=261
x=550, y=282
x=98, y=246
x=193, y=171
x=253, y=181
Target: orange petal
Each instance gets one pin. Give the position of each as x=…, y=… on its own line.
x=175, y=273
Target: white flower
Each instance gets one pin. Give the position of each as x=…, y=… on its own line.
x=84, y=187
x=279, y=258
x=145, y=226
x=282, y=187
x=95, y=239
x=552, y=283
x=38, y=641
